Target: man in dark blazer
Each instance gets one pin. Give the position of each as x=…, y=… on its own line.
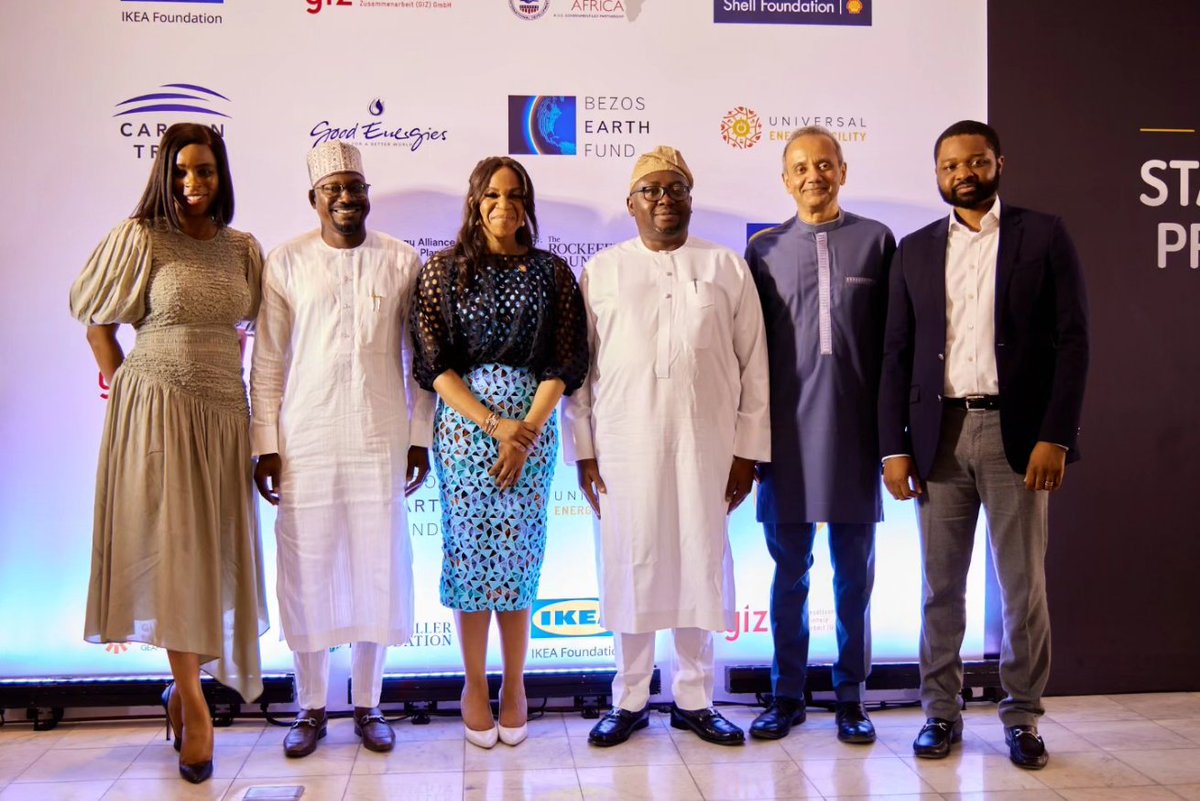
x=985, y=358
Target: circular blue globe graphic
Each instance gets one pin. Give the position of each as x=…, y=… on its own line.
x=551, y=124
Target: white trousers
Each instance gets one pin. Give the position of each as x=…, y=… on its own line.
x=692, y=686
x=366, y=675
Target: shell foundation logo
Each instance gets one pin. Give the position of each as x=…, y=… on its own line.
x=854, y=7
x=741, y=128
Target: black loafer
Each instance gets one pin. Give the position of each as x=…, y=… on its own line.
x=1026, y=748
x=778, y=719
x=615, y=727
x=936, y=737
x=708, y=724
x=308, y=727
x=853, y=725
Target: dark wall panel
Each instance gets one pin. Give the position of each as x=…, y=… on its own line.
x=1071, y=84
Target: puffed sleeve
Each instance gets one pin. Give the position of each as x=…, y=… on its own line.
x=112, y=287
x=568, y=354
x=254, y=274
x=433, y=334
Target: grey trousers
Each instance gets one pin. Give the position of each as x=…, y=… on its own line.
x=970, y=470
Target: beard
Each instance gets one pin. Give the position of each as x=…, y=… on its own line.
x=983, y=197
x=349, y=227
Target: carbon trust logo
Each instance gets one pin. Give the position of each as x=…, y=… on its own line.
x=145, y=118
x=529, y=9
x=741, y=128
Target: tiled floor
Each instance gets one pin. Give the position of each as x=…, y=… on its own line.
x=1137, y=747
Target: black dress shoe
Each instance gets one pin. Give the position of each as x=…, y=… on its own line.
x=778, y=719
x=936, y=736
x=373, y=728
x=853, y=725
x=308, y=727
x=708, y=724
x=1026, y=748
x=615, y=727
x=196, y=773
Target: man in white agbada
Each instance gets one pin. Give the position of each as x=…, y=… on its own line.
x=666, y=432
x=341, y=432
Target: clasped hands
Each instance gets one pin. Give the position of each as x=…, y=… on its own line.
x=516, y=437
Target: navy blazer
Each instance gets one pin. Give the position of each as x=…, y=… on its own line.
x=1041, y=340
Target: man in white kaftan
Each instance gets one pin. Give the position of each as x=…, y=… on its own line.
x=666, y=432
x=341, y=432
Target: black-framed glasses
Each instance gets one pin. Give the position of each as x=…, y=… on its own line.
x=356, y=189
x=655, y=193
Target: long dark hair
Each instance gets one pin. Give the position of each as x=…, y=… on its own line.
x=158, y=201
x=471, y=244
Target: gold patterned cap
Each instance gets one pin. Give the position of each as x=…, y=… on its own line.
x=660, y=158
x=330, y=157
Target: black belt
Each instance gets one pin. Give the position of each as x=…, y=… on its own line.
x=974, y=403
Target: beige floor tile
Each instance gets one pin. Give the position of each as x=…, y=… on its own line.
x=438, y=728
x=163, y=763
x=1098, y=769
x=887, y=776
x=899, y=741
x=542, y=752
x=1070, y=709
x=107, y=734
x=902, y=797
x=1165, y=767
x=1142, y=735
x=898, y=717
x=268, y=761
x=1161, y=705
x=405, y=787
x=338, y=731
x=1059, y=739
x=22, y=734
x=1005, y=795
x=1118, y=794
x=970, y=773
x=1185, y=727
x=646, y=747
x=16, y=757
x=425, y=756
x=560, y=784
x=752, y=780
x=56, y=791
x=80, y=764
x=638, y=783
x=175, y=789
x=698, y=752
x=316, y=788
x=803, y=744
x=548, y=725
x=1191, y=792
x=241, y=733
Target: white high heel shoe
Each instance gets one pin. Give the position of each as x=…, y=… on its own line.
x=483, y=739
x=513, y=736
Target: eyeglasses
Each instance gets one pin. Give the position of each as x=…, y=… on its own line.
x=356, y=189
x=655, y=193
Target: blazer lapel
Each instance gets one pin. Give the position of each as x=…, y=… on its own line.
x=1006, y=253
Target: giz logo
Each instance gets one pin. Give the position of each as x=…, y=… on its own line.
x=567, y=617
x=750, y=621
x=315, y=6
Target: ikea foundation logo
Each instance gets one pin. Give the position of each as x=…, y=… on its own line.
x=542, y=125
x=567, y=617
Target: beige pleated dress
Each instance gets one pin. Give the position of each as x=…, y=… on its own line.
x=176, y=555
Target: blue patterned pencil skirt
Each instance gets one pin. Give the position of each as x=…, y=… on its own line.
x=493, y=541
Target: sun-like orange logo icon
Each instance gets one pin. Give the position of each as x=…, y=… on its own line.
x=854, y=6
x=117, y=647
x=741, y=128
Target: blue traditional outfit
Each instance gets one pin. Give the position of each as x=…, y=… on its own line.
x=516, y=322
x=824, y=297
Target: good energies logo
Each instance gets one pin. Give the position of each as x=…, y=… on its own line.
x=741, y=128
x=376, y=132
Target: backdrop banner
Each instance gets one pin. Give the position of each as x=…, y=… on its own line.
x=575, y=89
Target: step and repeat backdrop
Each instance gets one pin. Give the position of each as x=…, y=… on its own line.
x=575, y=89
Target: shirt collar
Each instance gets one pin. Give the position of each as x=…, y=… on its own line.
x=990, y=220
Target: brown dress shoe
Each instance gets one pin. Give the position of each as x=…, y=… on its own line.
x=373, y=728
x=308, y=727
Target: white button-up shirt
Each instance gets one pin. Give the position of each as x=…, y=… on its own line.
x=971, y=306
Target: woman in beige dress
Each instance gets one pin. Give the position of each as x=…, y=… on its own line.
x=176, y=557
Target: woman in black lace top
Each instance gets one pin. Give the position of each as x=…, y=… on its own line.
x=500, y=336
